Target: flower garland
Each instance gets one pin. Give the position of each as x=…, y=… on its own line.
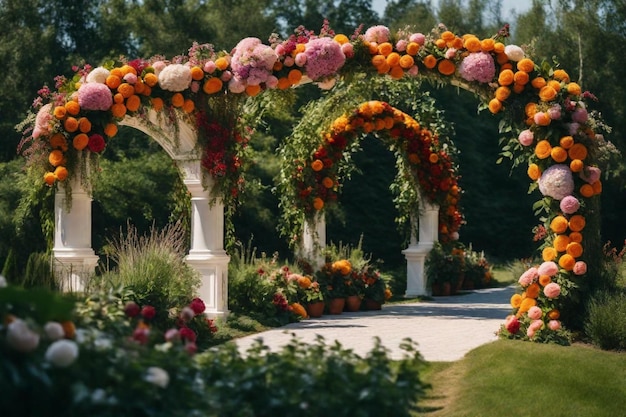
x=318, y=179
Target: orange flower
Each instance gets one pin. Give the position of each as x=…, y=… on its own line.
x=506, y=77
x=487, y=45
x=446, y=67
x=538, y=82
x=197, y=73
x=189, y=105
x=576, y=165
x=521, y=78
x=502, y=93
x=575, y=249
x=576, y=237
x=554, y=314
x=118, y=98
x=340, y=38
x=157, y=103
x=60, y=173
x=532, y=291
x=304, y=282
x=139, y=86
x=448, y=36
x=110, y=129
x=221, y=63
x=530, y=109
x=178, y=100
x=543, y=149
x=283, y=83
x=414, y=158
x=495, y=105
x=472, y=44
x=577, y=223
x=317, y=165
x=412, y=48
x=59, y=112
x=118, y=110
x=574, y=89
x=597, y=187
x=560, y=243
x=526, y=65
x=253, y=90
x=150, y=79
x=385, y=48
x=117, y=72
x=406, y=61
x=567, y=262
x=516, y=300
x=548, y=254
x=561, y=75
x=501, y=58
x=49, y=178
x=542, y=119
x=58, y=141
x=55, y=158
x=133, y=102
x=294, y=76
x=586, y=190
x=554, y=84
x=126, y=90
x=72, y=107
x=430, y=61
x=84, y=125
x=80, y=141
x=70, y=124
x=212, y=85
x=547, y=93
x=328, y=182
x=526, y=304
x=558, y=225
x=433, y=158
x=318, y=203
x=544, y=280
x=534, y=172
x=378, y=60
x=113, y=81
x=566, y=142
x=396, y=72
x=558, y=154
x=578, y=151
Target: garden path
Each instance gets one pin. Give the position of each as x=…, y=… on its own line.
x=445, y=328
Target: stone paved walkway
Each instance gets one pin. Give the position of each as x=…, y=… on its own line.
x=445, y=328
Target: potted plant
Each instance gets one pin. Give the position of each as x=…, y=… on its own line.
x=334, y=277
x=374, y=288
x=444, y=268
x=311, y=295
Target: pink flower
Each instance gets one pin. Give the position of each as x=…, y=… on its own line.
x=141, y=335
x=569, y=204
x=528, y=277
x=450, y=53
x=580, y=268
x=300, y=59
x=478, y=66
x=590, y=174
x=573, y=128
x=539, y=116
x=526, y=137
x=96, y=143
x=378, y=34
x=536, y=325
x=549, y=268
x=43, y=119
x=556, y=182
x=172, y=335
x=534, y=313
x=401, y=45
x=418, y=38
x=555, y=112
x=554, y=325
x=131, y=309
x=580, y=115
x=148, y=312
x=95, y=96
x=323, y=58
x=130, y=78
x=197, y=305
x=187, y=313
x=252, y=61
x=552, y=290
x=530, y=333
x=347, y=49
x=209, y=67
x=20, y=337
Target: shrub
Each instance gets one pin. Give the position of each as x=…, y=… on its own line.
x=606, y=320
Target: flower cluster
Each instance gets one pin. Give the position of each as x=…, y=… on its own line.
x=317, y=180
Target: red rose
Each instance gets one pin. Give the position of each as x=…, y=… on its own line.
x=513, y=325
x=96, y=143
x=197, y=305
x=187, y=334
x=131, y=309
x=148, y=312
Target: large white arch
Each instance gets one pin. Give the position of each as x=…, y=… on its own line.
x=74, y=257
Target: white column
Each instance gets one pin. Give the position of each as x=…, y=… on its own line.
x=314, y=241
x=415, y=254
x=207, y=254
x=74, y=259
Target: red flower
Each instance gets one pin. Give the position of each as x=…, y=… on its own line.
x=513, y=325
x=131, y=309
x=187, y=334
x=197, y=305
x=96, y=143
x=148, y=312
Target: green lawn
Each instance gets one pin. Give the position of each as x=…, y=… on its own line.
x=513, y=378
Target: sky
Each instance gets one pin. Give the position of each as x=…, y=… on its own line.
x=520, y=6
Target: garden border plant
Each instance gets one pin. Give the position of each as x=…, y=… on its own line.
x=547, y=124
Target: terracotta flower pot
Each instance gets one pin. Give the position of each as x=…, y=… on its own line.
x=315, y=309
x=335, y=305
x=353, y=303
x=372, y=304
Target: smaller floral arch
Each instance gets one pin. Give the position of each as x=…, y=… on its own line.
x=421, y=157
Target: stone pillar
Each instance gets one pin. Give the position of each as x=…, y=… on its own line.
x=314, y=241
x=415, y=254
x=207, y=254
x=74, y=259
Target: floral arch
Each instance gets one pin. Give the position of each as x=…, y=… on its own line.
x=546, y=125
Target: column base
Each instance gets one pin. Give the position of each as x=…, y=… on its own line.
x=416, y=285
x=74, y=268
x=213, y=269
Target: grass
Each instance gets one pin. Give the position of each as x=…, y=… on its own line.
x=513, y=378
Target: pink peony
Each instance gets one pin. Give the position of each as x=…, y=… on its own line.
x=252, y=61
x=539, y=117
x=526, y=137
x=572, y=128
x=450, y=53
x=175, y=77
x=130, y=78
x=580, y=268
x=534, y=313
x=323, y=58
x=187, y=334
x=95, y=96
x=347, y=49
x=556, y=182
x=555, y=112
x=552, y=290
x=590, y=174
x=378, y=34
x=418, y=38
x=549, y=268
x=96, y=143
x=554, y=325
x=401, y=45
x=569, y=204
x=528, y=277
x=42, y=121
x=536, y=325
x=478, y=66
x=530, y=333
x=209, y=67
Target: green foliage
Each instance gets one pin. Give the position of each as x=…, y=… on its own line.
x=606, y=321
x=445, y=263
x=152, y=266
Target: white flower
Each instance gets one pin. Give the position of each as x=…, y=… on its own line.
x=62, y=353
x=3, y=281
x=98, y=75
x=514, y=52
x=20, y=337
x=175, y=77
x=556, y=182
x=54, y=330
x=157, y=376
